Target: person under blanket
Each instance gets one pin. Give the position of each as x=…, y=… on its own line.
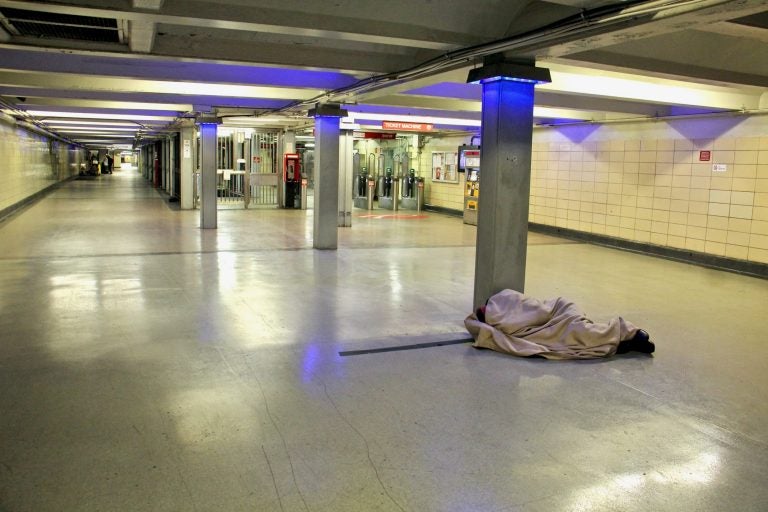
x=513, y=323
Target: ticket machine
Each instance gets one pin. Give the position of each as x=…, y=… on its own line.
x=469, y=162
x=292, y=181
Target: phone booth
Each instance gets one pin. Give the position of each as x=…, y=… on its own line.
x=292, y=180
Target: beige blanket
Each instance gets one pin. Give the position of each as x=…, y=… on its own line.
x=554, y=329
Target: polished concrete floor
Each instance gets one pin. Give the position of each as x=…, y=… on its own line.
x=146, y=364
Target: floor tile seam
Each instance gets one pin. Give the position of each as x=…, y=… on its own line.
x=565, y=242
x=221, y=251
x=159, y=253
x=377, y=342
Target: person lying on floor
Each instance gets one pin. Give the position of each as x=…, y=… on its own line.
x=523, y=326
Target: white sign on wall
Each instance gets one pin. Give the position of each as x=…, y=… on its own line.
x=719, y=167
x=187, y=148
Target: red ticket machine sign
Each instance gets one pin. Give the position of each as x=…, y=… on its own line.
x=291, y=167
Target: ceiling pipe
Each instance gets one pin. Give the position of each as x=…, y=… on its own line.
x=589, y=22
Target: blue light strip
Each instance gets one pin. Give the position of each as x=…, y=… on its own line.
x=509, y=79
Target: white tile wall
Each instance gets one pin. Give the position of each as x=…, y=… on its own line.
x=31, y=163
x=658, y=191
x=645, y=182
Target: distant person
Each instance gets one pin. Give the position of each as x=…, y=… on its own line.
x=110, y=162
x=93, y=169
x=513, y=323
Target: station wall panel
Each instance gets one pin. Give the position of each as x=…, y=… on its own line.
x=694, y=184
x=30, y=163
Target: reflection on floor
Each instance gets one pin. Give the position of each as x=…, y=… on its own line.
x=146, y=364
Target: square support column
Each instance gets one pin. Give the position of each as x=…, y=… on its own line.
x=165, y=164
x=173, y=142
x=327, y=120
x=208, y=175
x=505, y=176
x=187, y=166
x=346, y=173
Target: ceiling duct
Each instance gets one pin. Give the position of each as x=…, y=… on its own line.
x=50, y=25
x=588, y=23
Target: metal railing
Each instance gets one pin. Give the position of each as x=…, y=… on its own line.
x=231, y=189
x=247, y=173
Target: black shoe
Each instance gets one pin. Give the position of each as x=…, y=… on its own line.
x=640, y=342
x=643, y=343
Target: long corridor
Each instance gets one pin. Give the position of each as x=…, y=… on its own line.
x=149, y=365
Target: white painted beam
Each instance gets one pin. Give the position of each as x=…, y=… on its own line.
x=72, y=81
x=454, y=75
x=624, y=86
x=685, y=16
x=426, y=102
x=45, y=114
x=118, y=105
x=141, y=36
x=358, y=37
x=736, y=30
x=148, y=5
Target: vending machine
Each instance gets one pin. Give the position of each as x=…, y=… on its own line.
x=469, y=162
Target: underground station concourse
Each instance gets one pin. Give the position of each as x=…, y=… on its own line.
x=239, y=240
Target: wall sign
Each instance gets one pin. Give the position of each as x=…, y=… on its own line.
x=719, y=167
x=407, y=127
x=375, y=135
x=705, y=156
x=187, y=148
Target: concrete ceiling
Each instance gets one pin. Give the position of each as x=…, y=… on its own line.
x=110, y=70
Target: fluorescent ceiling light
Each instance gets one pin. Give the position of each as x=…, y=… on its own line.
x=39, y=79
x=90, y=123
x=96, y=141
x=611, y=84
x=91, y=115
x=254, y=121
x=355, y=116
x=537, y=112
x=94, y=130
x=44, y=102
